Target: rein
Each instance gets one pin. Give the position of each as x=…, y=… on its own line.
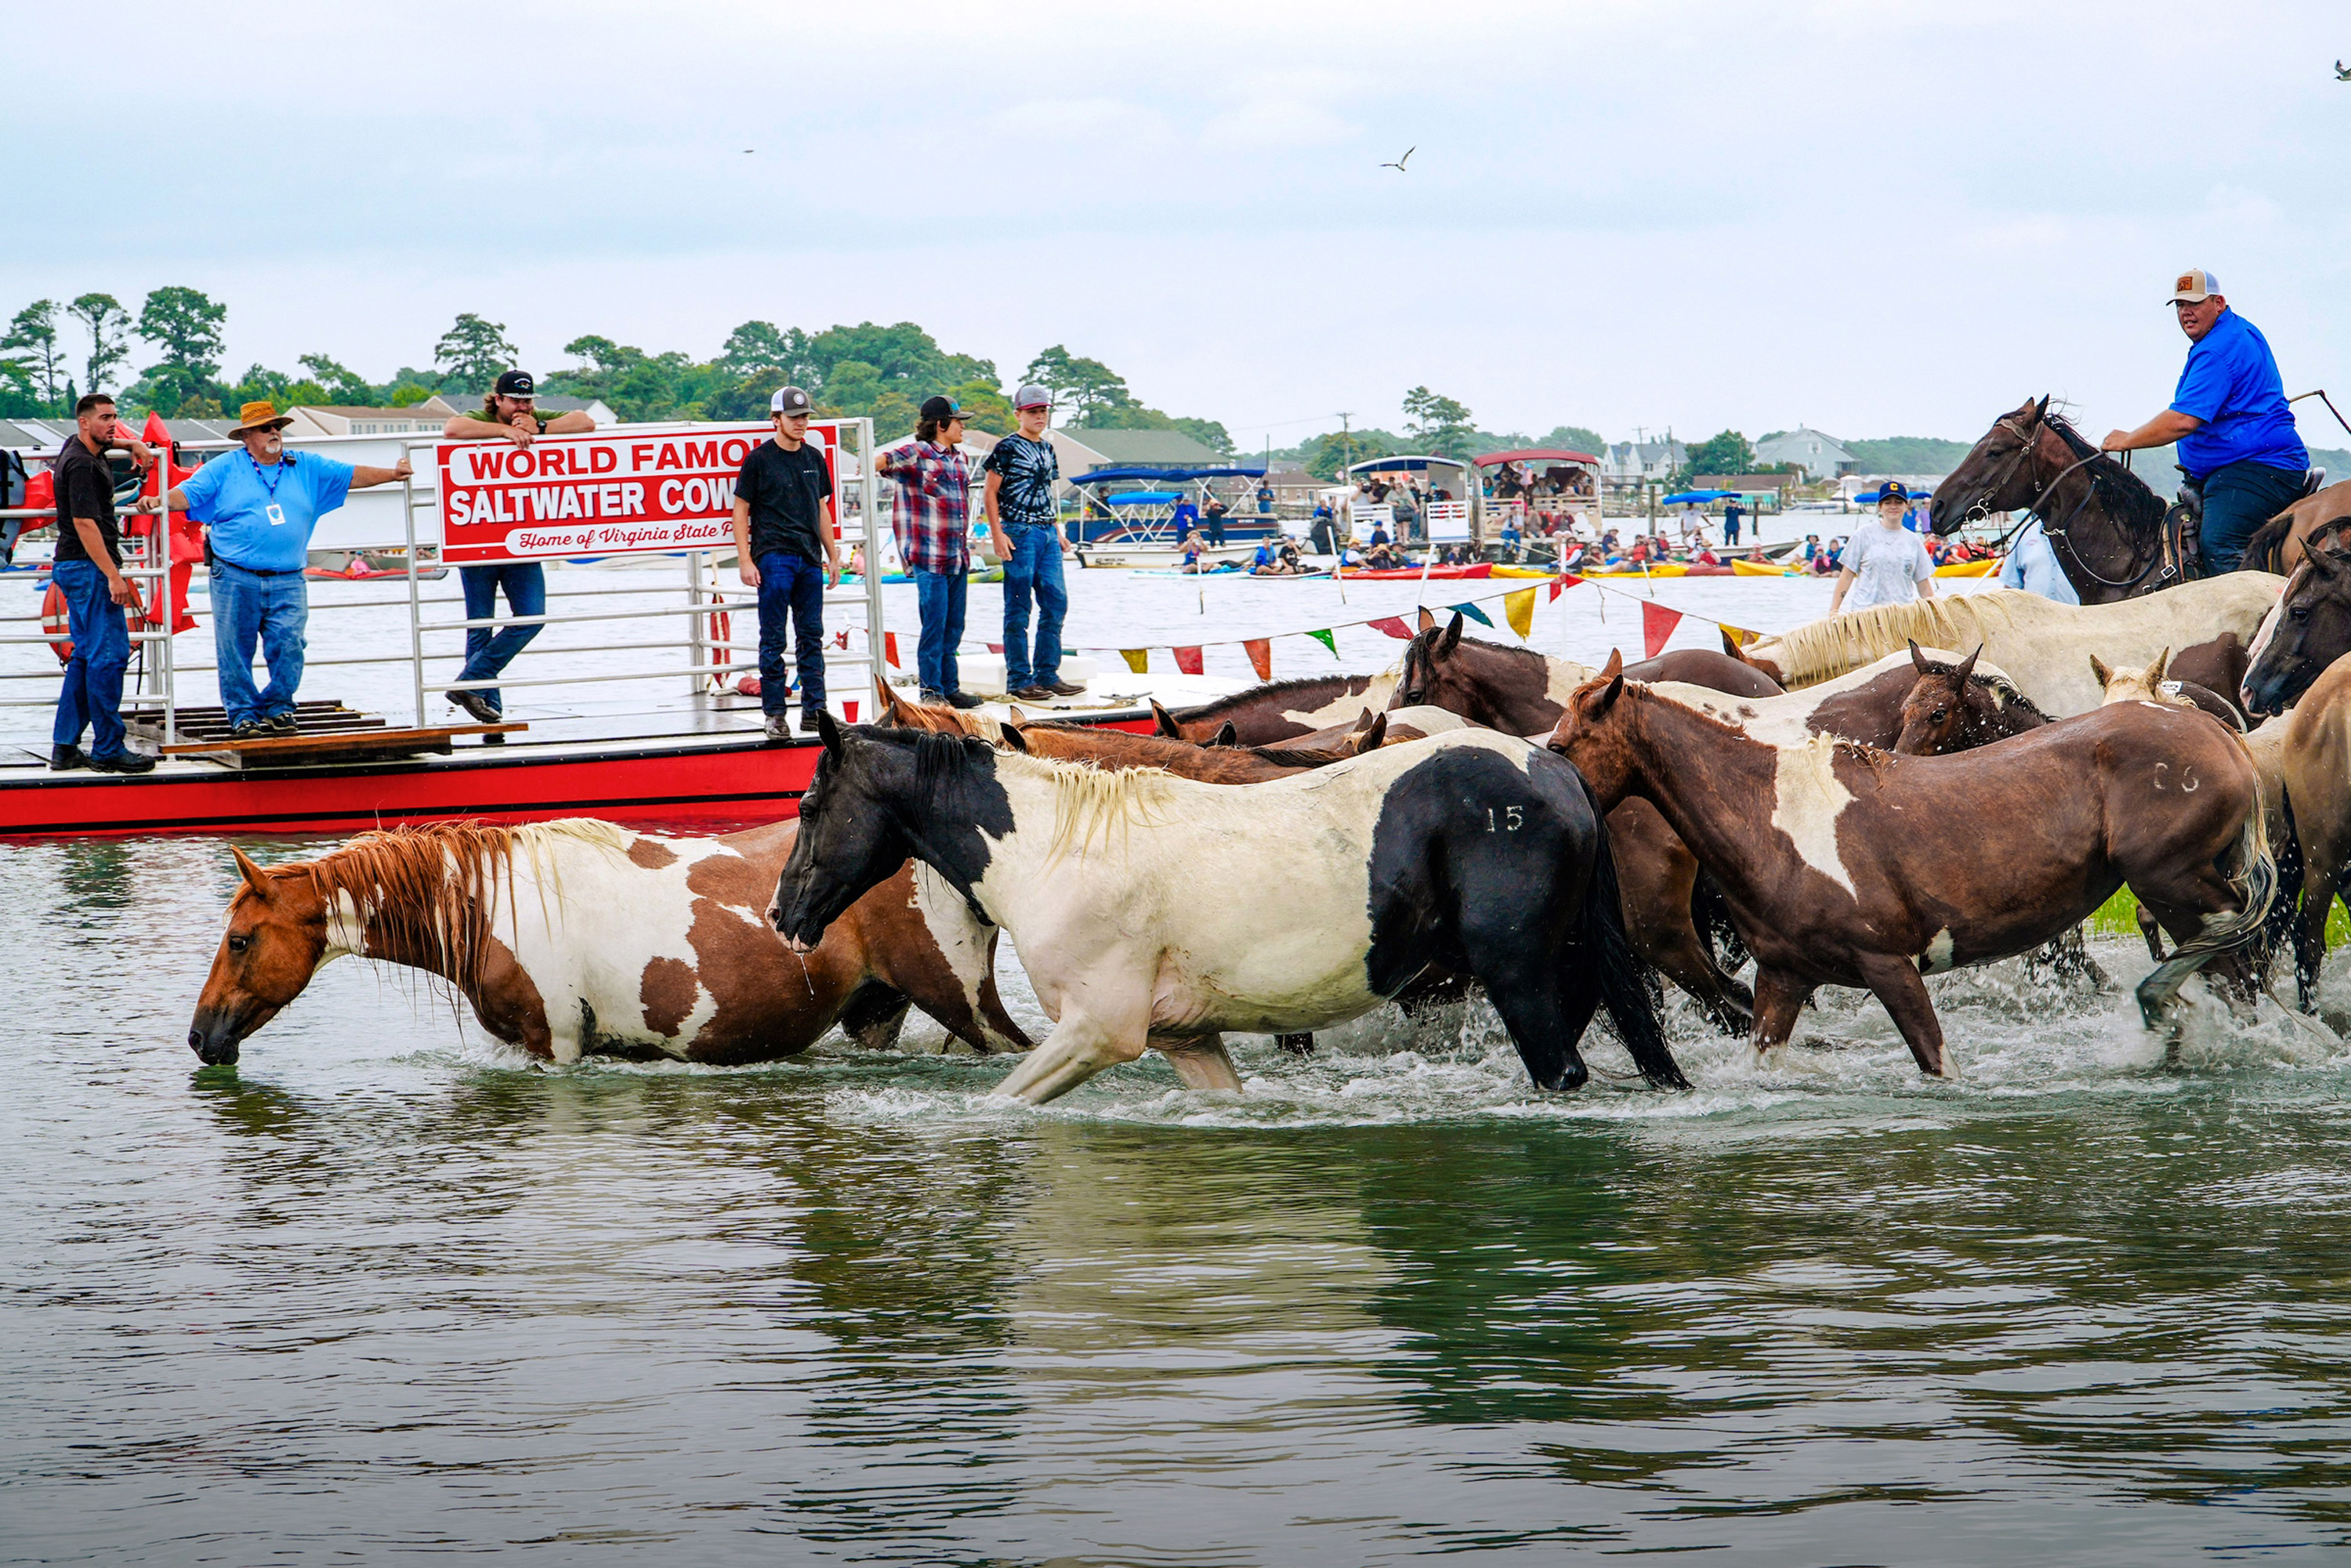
x=2056, y=529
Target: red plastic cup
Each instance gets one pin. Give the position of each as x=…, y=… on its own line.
x=849, y=709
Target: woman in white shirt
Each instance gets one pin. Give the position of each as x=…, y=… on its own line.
x=1889, y=563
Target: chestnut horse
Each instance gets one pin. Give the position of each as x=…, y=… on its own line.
x=1879, y=870
x=2310, y=629
x=1280, y=711
x=580, y=935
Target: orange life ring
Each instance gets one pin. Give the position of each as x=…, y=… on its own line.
x=56, y=620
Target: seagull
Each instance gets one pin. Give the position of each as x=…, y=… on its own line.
x=2342, y=72
x=748, y=151
x=1399, y=164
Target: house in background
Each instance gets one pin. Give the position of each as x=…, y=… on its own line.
x=1081, y=451
x=425, y=418
x=1630, y=463
x=1820, y=454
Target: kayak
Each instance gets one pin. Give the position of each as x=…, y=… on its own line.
x=1984, y=568
x=1709, y=571
x=1663, y=569
x=1433, y=574
x=1748, y=569
x=1526, y=571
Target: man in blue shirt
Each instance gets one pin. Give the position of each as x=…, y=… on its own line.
x=2230, y=417
x=262, y=505
x=2032, y=565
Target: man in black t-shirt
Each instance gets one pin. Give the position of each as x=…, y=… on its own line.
x=89, y=572
x=783, y=528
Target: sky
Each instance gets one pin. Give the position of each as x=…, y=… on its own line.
x=1874, y=217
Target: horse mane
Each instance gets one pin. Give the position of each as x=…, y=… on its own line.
x=1090, y=801
x=433, y=889
x=1999, y=685
x=1821, y=650
x=2127, y=498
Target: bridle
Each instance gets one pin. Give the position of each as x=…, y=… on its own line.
x=2054, y=530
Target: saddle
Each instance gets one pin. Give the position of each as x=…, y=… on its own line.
x=2183, y=525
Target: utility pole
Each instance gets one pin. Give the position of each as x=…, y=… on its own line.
x=1346, y=440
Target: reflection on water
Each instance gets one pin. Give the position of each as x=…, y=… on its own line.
x=389, y=1287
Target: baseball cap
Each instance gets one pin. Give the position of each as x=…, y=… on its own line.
x=789, y=401
x=516, y=383
x=2193, y=286
x=942, y=409
x=1032, y=396
x=1892, y=490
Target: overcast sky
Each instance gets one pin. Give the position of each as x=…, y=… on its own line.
x=1874, y=216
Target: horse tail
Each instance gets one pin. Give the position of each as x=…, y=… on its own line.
x=2258, y=876
x=1628, y=987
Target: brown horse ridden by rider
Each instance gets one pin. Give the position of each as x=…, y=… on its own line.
x=2114, y=537
x=581, y=935
x=1879, y=870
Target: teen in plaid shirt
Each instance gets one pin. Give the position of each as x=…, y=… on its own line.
x=932, y=518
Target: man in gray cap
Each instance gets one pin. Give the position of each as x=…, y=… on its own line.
x=1021, y=524
x=784, y=548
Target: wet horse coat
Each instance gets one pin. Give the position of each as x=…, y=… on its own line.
x=580, y=935
x=1152, y=910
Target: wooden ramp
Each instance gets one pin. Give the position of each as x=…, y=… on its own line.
x=329, y=732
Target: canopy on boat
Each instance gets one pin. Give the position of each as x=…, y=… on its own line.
x=1699, y=498
x=1114, y=475
x=1533, y=454
x=1402, y=464
x=1144, y=498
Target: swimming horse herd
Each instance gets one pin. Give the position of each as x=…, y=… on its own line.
x=1866, y=801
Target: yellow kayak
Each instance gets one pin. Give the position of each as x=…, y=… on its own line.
x=1968, y=568
x=1748, y=569
x=1525, y=571
x=1666, y=569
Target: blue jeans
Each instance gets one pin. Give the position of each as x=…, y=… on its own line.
x=940, y=595
x=1035, y=568
x=488, y=652
x=789, y=585
x=101, y=648
x=275, y=612
x=2239, y=497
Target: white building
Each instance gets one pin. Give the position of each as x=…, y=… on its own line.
x=1636, y=462
x=1820, y=454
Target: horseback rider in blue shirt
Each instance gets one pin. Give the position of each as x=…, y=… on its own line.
x=2230, y=417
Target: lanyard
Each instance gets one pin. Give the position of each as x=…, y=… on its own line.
x=276, y=473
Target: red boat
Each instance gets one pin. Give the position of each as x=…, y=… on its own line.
x=1433, y=574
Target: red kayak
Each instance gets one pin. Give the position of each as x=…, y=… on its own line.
x=1433, y=574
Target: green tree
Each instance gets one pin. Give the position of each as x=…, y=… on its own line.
x=1440, y=424
x=1081, y=388
x=1576, y=438
x=408, y=395
x=984, y=406
x=1328, y=456
x=33, y=333
x=1210, y=433
x=858, y=390
x=1723, y=455
x=186, y=324
x=902, y=353
x=760, y=349
x=343, y=384
x=476, y=353
x=108, y=325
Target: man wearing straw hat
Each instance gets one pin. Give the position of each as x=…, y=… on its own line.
x=261, y=506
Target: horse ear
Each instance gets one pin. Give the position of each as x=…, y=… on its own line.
x=1613, y=671
x=2040, y=409
x=1917, y=656
x=1227, y=734
x=1364, y=719
x=828, y=729
x=1428, y=618
x=2098, y=668
x=1165, y=721
x=255, y=877
x=1373, y=735
x=1967, y=665
x=1013, y=739
x=1448, y=639
x=891, y=713
x=2155, y=671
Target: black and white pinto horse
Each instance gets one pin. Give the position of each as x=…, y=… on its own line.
x=1153, y=910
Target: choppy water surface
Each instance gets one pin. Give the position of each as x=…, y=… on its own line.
x=388, y=1287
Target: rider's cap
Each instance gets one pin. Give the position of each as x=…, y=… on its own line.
x=1892, y=490
x=942, y=409
x=1032, y=396
x=2193, y=286
x=517, y=383
x=788, y=402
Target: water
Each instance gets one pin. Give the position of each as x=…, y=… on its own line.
x=388, y=1287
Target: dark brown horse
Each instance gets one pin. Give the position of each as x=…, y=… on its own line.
x=1879, y=870
x=2310, y=629
x=1520, y=691
x=1948, y=707
x=1279, y=710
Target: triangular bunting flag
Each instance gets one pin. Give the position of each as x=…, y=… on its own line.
x=1137, y=659
x=1739, y=635
x=890, y=648
x=1260, y=655
x=1394, y=627
x=1563, y=582
x=1518, y=610
x=1658, y=624
x=1327, y=638
x=1188, y=659
x=1472, y=611
x=996, y=647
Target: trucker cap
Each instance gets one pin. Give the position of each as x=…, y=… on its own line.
x=942, y=409
x=789, y=401
x=1032, y=396
x=516, y=383
x=2193, y=286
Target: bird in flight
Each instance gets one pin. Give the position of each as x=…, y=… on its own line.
x=1399, y=164
x=2342, y=71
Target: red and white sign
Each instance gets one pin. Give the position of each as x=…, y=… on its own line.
x=599, y=494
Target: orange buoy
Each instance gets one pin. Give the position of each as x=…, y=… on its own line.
x=56, y=620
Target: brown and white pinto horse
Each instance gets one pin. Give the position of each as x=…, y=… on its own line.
x=1878, y=869
x=578, y=935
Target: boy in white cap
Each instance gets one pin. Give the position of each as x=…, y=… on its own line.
x=783, y=529
x=1021, y=524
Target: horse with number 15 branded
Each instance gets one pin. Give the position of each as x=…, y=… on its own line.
x=1154, y=911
